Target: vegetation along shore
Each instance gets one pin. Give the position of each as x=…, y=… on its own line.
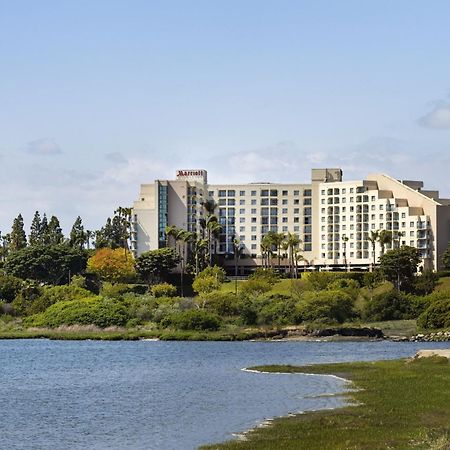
x=60, y=288
x=391, y=404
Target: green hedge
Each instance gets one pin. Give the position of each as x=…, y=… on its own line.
x=92, y=311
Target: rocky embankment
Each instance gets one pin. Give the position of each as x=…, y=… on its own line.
x=439, y=336
x=331, y=332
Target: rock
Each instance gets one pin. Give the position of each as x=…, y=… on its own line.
x=427, y=353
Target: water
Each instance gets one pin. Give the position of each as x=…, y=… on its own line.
x=160, y=395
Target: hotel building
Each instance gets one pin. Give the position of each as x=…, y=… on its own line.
x=333, y=218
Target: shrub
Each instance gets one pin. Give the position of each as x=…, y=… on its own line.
x=214, y=271
x=437, y=315
x=254, y=287
x=392, y=305
x=325, y=306
x=266, y=274
x=92, y=311
x=163, y=290
x=221, y=303
x=424, y=284
x=112, y=265
x=277, y=309
x=24, y=299
x=205, y=285
x=193, y=320
x=10, y=286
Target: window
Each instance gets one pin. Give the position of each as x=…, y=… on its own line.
x=284, y=193
x=264, y=201
x=242, y=202
x=253, y=193
x=296, y=192
x=241, y=229
x=284, y=211
x=403, y=215
x=296, y=219
x=231, y=202
x=253, y=237
x=253, y=219
x=273, y=192
x=322, y=191
x=307, y=192
x=284, y=201
x=264, y=211
x=296, y=201
x=253, y=202
x=242, y=211
x=254, y=248
x=265, y=193
x=253, y=229
x=284, y=219
x=222, y=193
x=344, y=191
x=242, y=193
x=285, y=229
x=351, y=190
x=222, y=201
x=253, y=211
x=307, y=201
x=241, y=219
x=231, y=193
x=296, y=210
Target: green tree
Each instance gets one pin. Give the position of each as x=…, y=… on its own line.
x=55, y=235
x=17, y=238
x=35, y=229
x=384, y=237
x=77, y=236
x=52, y=264
x=400, y=266
x=446, y=258
x=373, y=238
x=155, y=265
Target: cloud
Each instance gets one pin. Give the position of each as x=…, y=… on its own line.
x=43, y=146
x=116, y=158
x=438, y=118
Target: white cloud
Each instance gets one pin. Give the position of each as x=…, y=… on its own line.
x=43, y=146
x=438, y=118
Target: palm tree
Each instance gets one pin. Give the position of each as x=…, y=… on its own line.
x=344, y=245
x=267, y=245
x=213, y=228
x=237, y=247
x=399, y=235
x=276, y=240
x=292, y=242
x=384, y=238
x=170, y=231
x=373, y=239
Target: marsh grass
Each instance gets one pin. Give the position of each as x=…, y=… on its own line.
x=398, y=404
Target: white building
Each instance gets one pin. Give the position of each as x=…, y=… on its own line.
x=333, y=218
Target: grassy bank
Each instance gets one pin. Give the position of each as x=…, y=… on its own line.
x=399, y=404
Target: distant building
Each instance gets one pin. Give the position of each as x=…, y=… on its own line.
x=333, y=218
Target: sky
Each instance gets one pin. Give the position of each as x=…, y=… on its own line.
x=99, y=96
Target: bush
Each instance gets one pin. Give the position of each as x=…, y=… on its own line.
x=325, y=306
x=276, y=310
x=221, y=303
x=254, y=287
x=53, y=294
x=164, y=290
x=120, y=289
x=193, y=320
x=92, y=311
x=437, y=315
x=424, y=284
x=392, y=305
x=268, y=275
x=10, y=286
x=25, y=298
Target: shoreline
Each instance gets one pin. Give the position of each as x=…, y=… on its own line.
x=407, y=397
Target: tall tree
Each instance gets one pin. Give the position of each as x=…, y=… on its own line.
x=55, y=235
x=373, y=238
x=400, y=266
x=35, y=229
x=43, y=232
x=17, y=238
x=77, y=236
x=384, y=238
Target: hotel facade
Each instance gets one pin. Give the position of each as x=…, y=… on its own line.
x=333, y=218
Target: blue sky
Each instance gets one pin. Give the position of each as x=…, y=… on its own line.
x=98, y=96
